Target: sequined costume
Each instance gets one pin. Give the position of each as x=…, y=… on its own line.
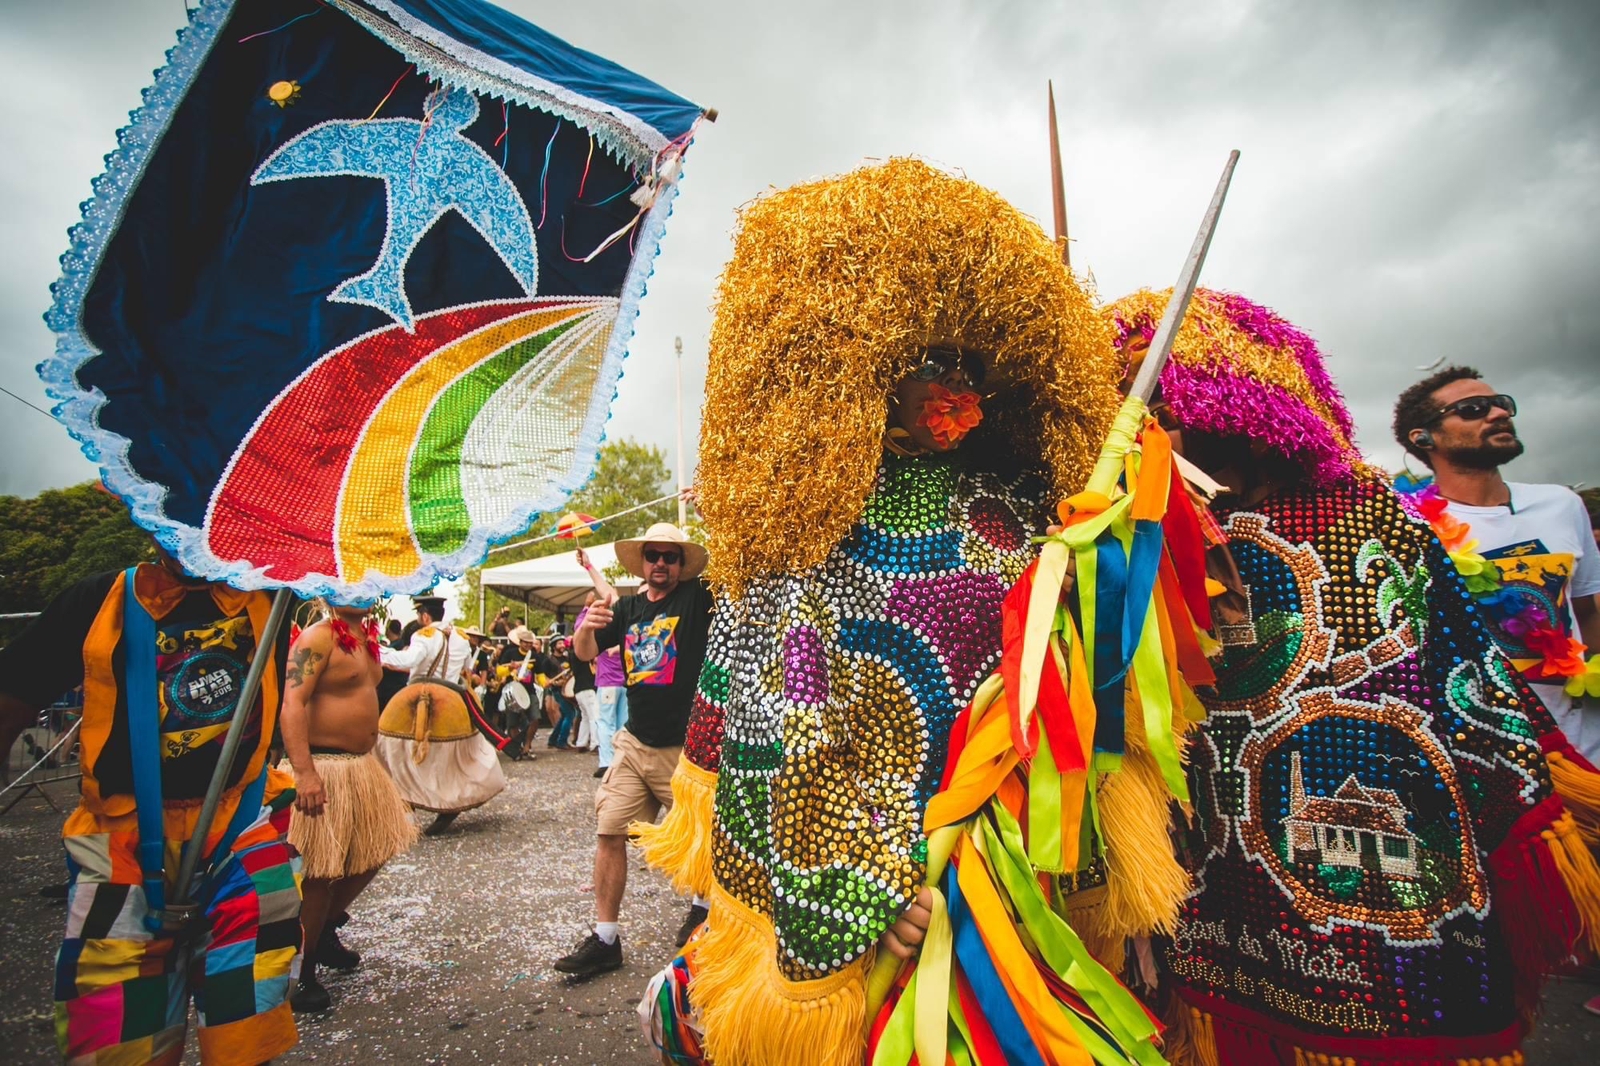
x=847, y=682
x=1382, y=871
x=860, y=590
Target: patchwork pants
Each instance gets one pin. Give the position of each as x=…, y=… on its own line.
x=122, y=993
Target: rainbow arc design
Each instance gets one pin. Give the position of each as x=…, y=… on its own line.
x=384, y=456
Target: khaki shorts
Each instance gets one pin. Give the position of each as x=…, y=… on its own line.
x=636, y=787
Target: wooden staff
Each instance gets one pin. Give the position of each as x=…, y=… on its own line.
x=1058, y=182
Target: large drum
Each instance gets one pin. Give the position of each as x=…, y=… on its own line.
x=439, y=710
x=514, y=696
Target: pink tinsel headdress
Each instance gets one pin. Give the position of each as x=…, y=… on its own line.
x=1238, y=369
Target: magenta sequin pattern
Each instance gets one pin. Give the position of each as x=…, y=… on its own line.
x=805, y=666
x=959, y=615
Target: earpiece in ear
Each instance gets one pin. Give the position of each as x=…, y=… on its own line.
x=1422, y=438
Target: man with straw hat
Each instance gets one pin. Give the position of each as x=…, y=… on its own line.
x=662, y=632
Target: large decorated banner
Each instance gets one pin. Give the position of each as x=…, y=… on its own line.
x=351, y=300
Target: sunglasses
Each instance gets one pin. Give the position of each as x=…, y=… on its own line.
x=937, y=362
x=1477, y=408
x=656, y=555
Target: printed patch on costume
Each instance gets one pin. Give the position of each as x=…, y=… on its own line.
x=201, y=670
x=651, y=657
x=1532, y=592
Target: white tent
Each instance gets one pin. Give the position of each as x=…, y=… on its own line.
x=554, y=582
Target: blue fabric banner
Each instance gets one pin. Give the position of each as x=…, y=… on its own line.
x=351, y=300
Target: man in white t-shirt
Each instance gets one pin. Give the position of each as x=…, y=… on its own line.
x=1543, y=609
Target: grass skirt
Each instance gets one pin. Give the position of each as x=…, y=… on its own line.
x=364, y=824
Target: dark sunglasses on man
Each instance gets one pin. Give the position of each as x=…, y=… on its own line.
x=656, y=555
x=937, y=362
x=1476, y=408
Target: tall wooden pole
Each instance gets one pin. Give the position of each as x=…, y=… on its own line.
x=1058, y=182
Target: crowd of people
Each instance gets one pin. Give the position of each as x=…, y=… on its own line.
x=1391, y=797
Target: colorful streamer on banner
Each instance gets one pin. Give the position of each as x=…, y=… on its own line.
x=1091, y=701
x=391, y=328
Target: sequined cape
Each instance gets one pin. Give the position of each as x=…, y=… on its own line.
x=842, y=686
x=1366, y=786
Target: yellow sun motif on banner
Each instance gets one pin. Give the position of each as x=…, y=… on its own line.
x=284, y=93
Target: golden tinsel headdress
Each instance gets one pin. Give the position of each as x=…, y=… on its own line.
x=833, y=290
x=1240, y=369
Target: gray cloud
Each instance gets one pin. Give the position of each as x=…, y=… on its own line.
x=1419, y=180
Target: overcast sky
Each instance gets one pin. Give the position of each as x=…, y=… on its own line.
x=1420, y=179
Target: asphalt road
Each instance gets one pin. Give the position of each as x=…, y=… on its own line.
x=457, y=937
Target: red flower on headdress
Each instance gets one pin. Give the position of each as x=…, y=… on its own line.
x=950, y=416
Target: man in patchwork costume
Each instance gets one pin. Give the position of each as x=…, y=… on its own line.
x=163, y=660
x=1383, y=872
x=903, y=379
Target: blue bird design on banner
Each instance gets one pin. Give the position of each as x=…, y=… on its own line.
x=428, y=168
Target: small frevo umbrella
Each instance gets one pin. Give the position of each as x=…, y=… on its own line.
x=575, y=525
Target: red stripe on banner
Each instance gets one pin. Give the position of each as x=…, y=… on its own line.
x=278, y=507
x=1013, y=625
x=985, y=1046
x=1186, y=544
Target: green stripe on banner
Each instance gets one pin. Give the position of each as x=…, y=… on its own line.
x=1044, y=809
x=438, y=509
x=961, y=1033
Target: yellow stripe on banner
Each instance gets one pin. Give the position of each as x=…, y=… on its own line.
x=374, y=523
x=933, y=985
x=1043, y=600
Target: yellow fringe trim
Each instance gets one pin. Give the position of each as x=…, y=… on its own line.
x=680, y=846
x=1580, y=791
x=1191, y=1040
x=754, y=1016
x=1144, y=880
x=1578, y=872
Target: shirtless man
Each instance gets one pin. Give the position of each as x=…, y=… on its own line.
x=348, y=816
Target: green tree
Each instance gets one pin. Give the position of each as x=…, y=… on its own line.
x=626, y=475
x=59, y=537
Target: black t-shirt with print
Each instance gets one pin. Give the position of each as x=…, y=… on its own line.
x=202, y=656
x=663, y=647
